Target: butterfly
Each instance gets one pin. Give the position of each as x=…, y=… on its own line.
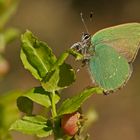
x=109, y=54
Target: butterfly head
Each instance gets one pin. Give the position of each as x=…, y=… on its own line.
x=83, y=45
x=85, y=37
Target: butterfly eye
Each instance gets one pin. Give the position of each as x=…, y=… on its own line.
x=85, y=36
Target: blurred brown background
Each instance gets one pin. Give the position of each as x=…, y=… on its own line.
x=58, y=23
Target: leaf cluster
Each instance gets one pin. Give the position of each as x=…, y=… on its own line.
x=54, y=74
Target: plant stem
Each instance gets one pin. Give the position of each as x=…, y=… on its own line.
x=54, y=114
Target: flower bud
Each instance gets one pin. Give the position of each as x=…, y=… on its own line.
x=69, y=123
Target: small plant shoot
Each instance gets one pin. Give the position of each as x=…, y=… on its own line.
x=7, y=34
x=108, y=53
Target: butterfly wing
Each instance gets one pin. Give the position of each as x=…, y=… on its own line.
x=124, y=38
x=108, y=68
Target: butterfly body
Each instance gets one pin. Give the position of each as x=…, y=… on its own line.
x=110, y=52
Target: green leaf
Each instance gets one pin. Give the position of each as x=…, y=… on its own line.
x=64, y=56
x=67, y=75
x=60, y=78
x=38, y=95
x=25, y=105
x=7, y=12
x=60, y=60
x=72, y=104
x=8, y=105
x=6, y=37
x=36, y=56
x=8, y=112
x=75, y=54
x=34, y=125
x=10, y=34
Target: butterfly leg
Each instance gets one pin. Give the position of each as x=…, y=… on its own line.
x=77, y=46
x=107, y=92
x=85, y=62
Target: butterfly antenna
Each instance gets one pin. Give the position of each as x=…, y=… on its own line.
x=91, y=16
x=83, y=21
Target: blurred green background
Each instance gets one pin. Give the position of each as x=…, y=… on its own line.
x=58, y=23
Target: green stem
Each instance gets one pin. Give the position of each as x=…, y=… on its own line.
x=54, y=114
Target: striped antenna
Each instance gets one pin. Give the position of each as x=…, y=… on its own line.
x=83, y=21
x=91, y=15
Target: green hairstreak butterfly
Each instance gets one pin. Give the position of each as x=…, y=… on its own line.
x=110, y=53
